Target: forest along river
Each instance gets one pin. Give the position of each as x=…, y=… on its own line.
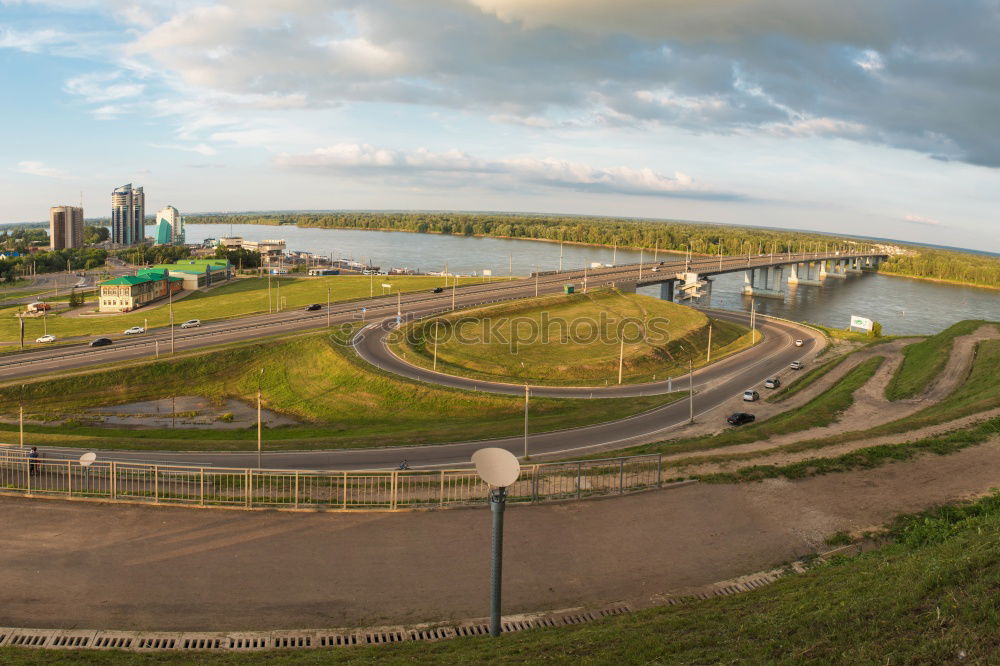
x=902, y=305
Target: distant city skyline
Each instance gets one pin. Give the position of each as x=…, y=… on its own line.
x=856, y=118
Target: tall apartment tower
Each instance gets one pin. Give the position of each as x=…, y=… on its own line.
x=169, y=227
x=128, y=215
x=65, y=227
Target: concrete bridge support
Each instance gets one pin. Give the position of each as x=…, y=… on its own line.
x=852, y=266
x=667, y=290
x=802, y=274
x=690, y=286
x=832, y=268
x=763, y=282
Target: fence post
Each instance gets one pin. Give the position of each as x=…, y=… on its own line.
x=296, y=489
x=201, y=487
x=69, y=478
x=441, y=490
x=621, y=476
x=114, y=480
x=534, y=483
x=249, y=482
x=345, y=490
x=156, y=484
x=579, y=480
x=394, y=488
x=659, y=470
x=27, y=468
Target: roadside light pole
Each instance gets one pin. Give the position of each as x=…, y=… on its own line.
x=621, y=357
x=260, y=438
x=20, y=419
x=328, y=307
x=170, y=309
x=399, y=304
x=453, y=287
x=690, y=390
x=753, y=322
x=435, y=347
x=527, y=396
x=536, y=280
x=708, y=351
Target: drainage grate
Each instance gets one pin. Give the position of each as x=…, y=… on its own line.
x=293, y=641
x=155, y=643
x=248, y=642
x=380, y=637
x=201, y=643
x=112, y=642
x=435, y=634
x=338, y=640
x=30, y=638
x=72, y=640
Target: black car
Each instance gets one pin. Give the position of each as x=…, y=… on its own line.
x=314, y=306
x=100, y=342
x=739, y=418
x=438, y=290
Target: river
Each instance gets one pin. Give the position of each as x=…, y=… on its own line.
x=902, y=305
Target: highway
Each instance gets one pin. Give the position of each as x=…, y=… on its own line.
x=713, y=385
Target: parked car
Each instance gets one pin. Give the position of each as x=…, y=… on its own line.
x=799, y=343
x=314, y=306
x=191, y=323
x=751, y=395
x=46, y=338
x=100, y=342
x=796, y=365
x=772, y=382
x=739, y=418
x=438, y=290
x=656, y=269
x=135, y=330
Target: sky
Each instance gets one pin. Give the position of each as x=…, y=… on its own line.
x=856, y=117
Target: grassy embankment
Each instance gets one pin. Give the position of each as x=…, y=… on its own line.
x=926, y=597
x=241, y=297
x=807, y=379
x=570, y=340
x=924, y=360
x=339, y=401
x=820, y=411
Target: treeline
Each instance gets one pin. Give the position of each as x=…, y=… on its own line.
x=49, y=262
x=701, y=238
x=155, y=254
x=964, y=267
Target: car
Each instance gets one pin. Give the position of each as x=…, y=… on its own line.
x=46, y=338
x=135, y=330
x=799, y=343
x=656, y=269
x=796, y=365
x=314, y=306
x=739, y=418
x=438, y=290
x=191, y=323
x=751, y=395
x=100, y=342
x=772, y=383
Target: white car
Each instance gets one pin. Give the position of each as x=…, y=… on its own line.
x=46, y=338
x=750, y=396
x=799, y=343
x=795, y=365
x=135, y=330
x=191, y=323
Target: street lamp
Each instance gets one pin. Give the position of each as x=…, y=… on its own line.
x=259, y=430
x=498, y=468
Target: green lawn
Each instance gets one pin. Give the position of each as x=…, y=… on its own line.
x=240, y=297
x=339, y=401
x=820, y=411
x=570, y=340
x=923, y=361
x=926, y=597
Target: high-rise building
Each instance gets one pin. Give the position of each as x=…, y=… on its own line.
x=169, y=227
x=65, y=227
x=128, y=215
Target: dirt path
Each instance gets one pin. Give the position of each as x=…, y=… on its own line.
x=67, y=564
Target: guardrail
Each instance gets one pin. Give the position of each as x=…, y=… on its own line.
x=343, y=490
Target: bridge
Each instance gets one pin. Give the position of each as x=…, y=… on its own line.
x=763, y=274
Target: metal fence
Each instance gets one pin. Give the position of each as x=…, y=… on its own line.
x=307, y=489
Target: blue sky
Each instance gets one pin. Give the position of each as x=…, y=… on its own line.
x=854, y=117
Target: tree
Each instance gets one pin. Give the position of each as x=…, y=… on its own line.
x=876, y=330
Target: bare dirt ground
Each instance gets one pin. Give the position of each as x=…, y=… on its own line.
x=84, y=565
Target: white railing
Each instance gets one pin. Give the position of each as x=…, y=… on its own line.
x=344, y=490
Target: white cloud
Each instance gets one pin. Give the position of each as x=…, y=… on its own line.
x=34, y=168
x=917, y=219
x=103, y=87
x=200, y=148
x=423, y=165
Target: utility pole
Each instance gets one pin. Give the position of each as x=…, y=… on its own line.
x=640, y=263
x=259, y=429
x=399, y=304
x=510, y=267
x=536, y=280
x=453, y=282
x=621, y=357
x=170, y=309
x=753, y=322
x=690, y=391
x=435, y=348
x=269, y=291
x=560, y=256
x=527, y=396
x=708, y=352
x=328, y=307
x=20, y=419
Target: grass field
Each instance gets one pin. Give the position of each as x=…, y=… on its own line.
x=339, y=401
x=807, y=379
x=240, y=297
x=821, y=410
x=924, y=360
x=570, y=340
x=928, y=596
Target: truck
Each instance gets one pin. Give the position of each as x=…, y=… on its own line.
x=38, y=306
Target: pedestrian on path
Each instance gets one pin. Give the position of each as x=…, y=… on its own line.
x=33, y=460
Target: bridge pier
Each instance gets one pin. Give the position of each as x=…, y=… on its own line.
x=763, y=284
x=667, y=290
x=794, y=276
x=853, y=266
x=835, y=269
x=690, y=286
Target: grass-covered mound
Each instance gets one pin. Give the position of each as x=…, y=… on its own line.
x=924, y=360
x=340, y=402
x=570, y=340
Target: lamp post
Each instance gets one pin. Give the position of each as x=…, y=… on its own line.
x=328, y=307
x=498, y=468
x=260, y=438
x=170, y=309
x=20, y=419
x=527, y=396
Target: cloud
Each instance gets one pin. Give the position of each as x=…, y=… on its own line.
x=425, y=166
x=33, y=168
x=103, y=87
x=200, y=148
x=917, y=219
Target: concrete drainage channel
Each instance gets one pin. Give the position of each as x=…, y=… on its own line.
x=243, y=641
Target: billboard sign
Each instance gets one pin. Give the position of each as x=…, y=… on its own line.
x=861, y=322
